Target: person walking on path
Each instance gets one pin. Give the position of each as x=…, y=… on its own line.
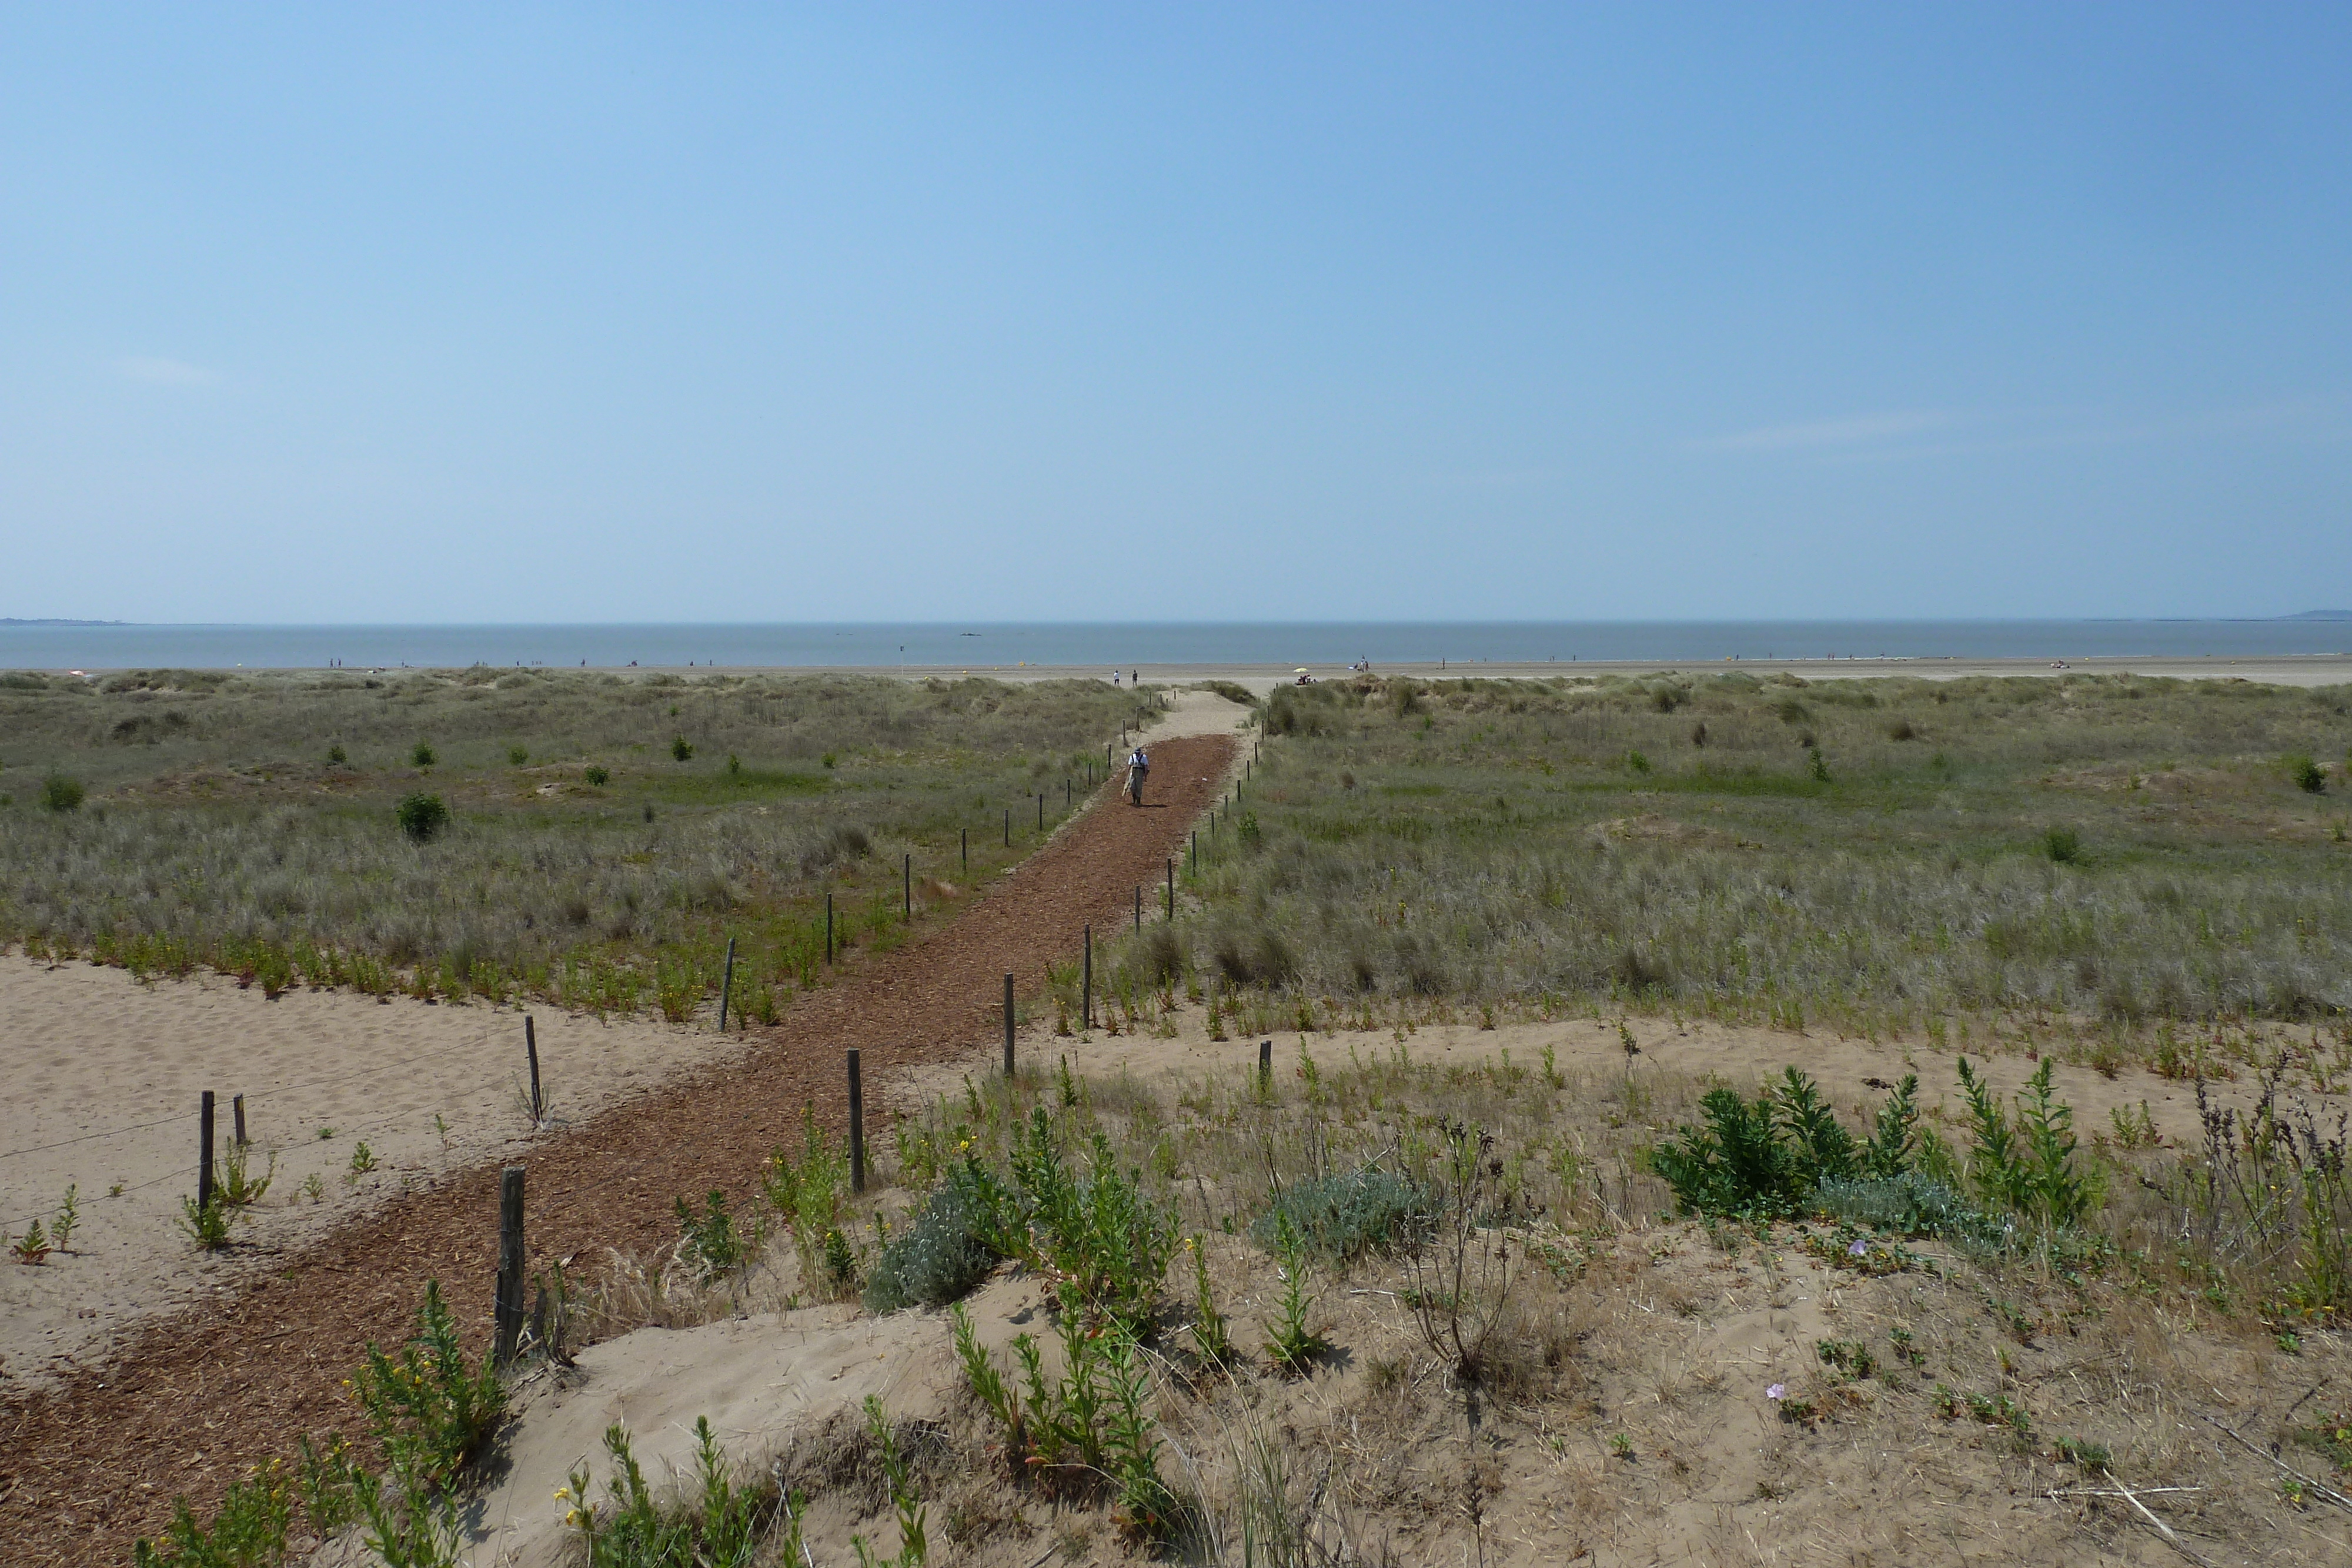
x=1139, y=767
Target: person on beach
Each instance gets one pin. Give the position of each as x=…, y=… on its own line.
x=1139, y=767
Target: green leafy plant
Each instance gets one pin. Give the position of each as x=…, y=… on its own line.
x=1817, y=768
x=2063, y=846
x=1291, y=1345
x=2309, y=776
x=2027, y=1166
x=905, y=1502
x=599, y=777
x=206, y=1224
x=337, y=755
x=247, y=1531
x=1210, y=1337
x=33, y=1246
x=518, y=754
x=237, y=1186
x=712, y=1242
x=719, y=1525
x=69, y=1219
x=421, y=816
x=422, y=755
x=62, y=793
x=682, y=749
x=1097, y=1232
x=810, y=1197
x=363, y=1159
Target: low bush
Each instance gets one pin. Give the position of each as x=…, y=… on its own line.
x=1342, y=1218
x=421, y=816
x=1766, y=1158
x=1909, y=1204
x=948, y=1248
x=2308, y=775
x=61, y=793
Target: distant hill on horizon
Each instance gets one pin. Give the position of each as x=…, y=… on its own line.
x=13, y=620
x=2320, y=615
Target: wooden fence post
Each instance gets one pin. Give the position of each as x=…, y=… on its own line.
x=1087, y=986
x=507, y=1322
x=1008, y=1023
x=1138, y=908
x=857, y=1126
x=236, y=1112
x=204, y=1155
x=1008, y=827
x=1265, y=1067
x=1041, y=811
x=828, y=930
x=1171, y=887
x=530, y=1048
x=967, y=849
x=726, y=984
x=906, y=888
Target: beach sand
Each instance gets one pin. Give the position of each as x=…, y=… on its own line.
x=106, y=1074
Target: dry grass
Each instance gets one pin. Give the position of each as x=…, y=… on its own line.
x=219, y=831
x=2119, y=853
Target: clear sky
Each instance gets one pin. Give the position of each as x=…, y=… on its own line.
x=451, y=313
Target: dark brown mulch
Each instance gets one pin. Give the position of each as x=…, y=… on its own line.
x=198, y=1397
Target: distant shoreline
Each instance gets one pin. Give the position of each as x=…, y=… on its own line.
x=2326, y=669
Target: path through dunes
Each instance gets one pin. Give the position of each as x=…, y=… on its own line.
x=200, y=1397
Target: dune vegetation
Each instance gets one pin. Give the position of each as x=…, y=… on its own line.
x=2139, y=856
x=588, y=838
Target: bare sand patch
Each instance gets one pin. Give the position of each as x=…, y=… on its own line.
x=106, y=1074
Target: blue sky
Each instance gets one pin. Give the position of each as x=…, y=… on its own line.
x=327, y=313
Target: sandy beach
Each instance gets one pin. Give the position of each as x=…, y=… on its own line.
x=107, y=1074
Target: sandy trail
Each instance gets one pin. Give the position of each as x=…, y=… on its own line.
x=193, y=1397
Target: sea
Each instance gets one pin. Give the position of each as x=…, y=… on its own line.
x=979, y=646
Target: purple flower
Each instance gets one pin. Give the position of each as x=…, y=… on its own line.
x=1859, y=1250
x=1777, y=1391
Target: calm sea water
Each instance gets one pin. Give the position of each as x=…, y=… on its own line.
x=982, y=647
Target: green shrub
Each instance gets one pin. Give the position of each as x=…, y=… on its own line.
x=2063, y=846
x=337, y=755
x=682, y=749
x=1342, y=1218
x=2026, y=1166
x=948, y=1248
x=597, y=776
x=1766, y=1158
x=1816, y=768
x=518, y=754
x=422, y=755
x=1098, y=1231
x=2309, y=776
x=421, y=816
x=60, y=792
